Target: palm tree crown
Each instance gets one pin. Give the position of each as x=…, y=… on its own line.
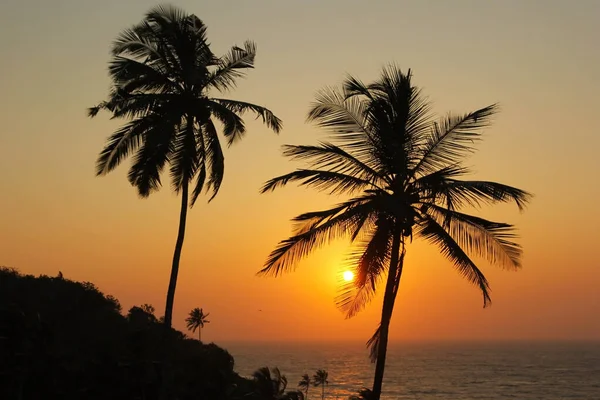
x=196, y=320
x=320, y=379
x=163, y=73
x=304, y=384
x=402, y=171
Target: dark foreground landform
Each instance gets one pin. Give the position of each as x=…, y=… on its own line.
x=61, y=339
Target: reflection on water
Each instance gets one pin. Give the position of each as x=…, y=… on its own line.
x=457, y=371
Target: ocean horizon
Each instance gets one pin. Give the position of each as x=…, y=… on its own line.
x=425, y=370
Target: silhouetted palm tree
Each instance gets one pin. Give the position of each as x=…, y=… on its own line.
x=196, y=320
x=304, y=384
x=320, y=379
x=162, y=71
x=405, y=175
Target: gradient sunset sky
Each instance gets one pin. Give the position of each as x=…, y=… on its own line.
x=539, y=59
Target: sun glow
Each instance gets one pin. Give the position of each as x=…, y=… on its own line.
x=348, y=276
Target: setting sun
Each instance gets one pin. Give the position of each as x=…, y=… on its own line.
x=348, y=276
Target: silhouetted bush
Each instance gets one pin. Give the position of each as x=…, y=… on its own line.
x=61, y=339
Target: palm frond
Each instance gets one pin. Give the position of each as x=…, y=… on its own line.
x=233, y=125
x=232, y=66
x=162, y=14
x=124, y=105
x=291, y=250
x=202, y=168
x=373, y=344
x=473, y=193
x=306, y=221
x=333, y=158
x=493, y=241
x=370, y=261
x=214, y=154
x=136, y=43
x=123, y=142
x=452, y=139
x=345, y=119
x=433, y=232
x=333, y=182
x=151, y=158
x=353, y=86
x=267, y=115
x=134, y=76
x=186, y=157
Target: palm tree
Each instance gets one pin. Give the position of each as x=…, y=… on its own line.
x=196, y=320
x=403, y=172
x=320, y=379
x=162, y=72
x=304, y=384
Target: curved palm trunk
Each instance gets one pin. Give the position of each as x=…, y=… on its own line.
x=391, y=289
x=177, y=255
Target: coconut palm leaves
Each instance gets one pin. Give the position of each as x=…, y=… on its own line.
x=196, y=320
x=163, y=76
x=402, y=173
x=304, y=384
x=320, y=379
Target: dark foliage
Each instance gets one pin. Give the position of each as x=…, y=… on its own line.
x=61, y=339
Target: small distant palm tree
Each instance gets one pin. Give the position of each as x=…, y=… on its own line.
x=196, y=320
x=320, y=379
x=304, y=384
x=404, y=174
x=163, y=76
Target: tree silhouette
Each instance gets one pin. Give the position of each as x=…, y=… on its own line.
x=269, y=383
x=61, y=339
x=403, y=171
x=363, y=394
x=304, y=384
x=196, y=320
x=162, y=71
x=320, y=379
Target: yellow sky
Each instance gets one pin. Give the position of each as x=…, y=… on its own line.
x=539, y=59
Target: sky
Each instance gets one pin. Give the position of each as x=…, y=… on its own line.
x=538, y=59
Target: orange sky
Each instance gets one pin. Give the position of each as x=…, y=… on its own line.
x=539, y=59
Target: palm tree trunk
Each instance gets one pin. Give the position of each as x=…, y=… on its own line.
x=177, y=255
x=323, y=391
x=391, y=288
x=200, y=334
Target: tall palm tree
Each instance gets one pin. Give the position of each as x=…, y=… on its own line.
x=404, y=175
x=196, y=320
x=320, y=379
x=163, y=72
x=304, y=384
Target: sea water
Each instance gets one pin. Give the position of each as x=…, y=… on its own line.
x=450, y=371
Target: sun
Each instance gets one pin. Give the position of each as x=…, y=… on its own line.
x=348, y=276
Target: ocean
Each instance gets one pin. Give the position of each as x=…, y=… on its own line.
x=449, y=371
